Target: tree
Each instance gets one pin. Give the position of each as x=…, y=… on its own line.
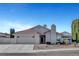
x=12, y=31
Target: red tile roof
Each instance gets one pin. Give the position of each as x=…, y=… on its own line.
x=28, y=31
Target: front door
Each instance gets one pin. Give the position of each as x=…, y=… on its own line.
x=42, y=39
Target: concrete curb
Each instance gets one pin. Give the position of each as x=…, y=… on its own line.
x=50, y=50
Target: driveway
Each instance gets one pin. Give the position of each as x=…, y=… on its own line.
x=16, y=48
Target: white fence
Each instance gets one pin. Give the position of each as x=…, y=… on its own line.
x=7, y=40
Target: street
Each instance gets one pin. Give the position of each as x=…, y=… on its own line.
x=54, y=53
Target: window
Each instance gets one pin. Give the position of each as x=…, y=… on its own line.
x=17, y=36
x=12, y=36
x=33, y=36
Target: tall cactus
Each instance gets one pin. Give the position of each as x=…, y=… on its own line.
x=75, y=30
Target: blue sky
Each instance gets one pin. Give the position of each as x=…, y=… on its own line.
x=23, y=16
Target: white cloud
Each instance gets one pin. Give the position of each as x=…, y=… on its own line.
x=6, y=25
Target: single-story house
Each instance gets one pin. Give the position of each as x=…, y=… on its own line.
x=37, y=35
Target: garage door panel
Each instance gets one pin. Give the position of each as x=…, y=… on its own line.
x=25, y=40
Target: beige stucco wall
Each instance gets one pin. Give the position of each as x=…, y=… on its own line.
x=23, y=39
x=48, y=37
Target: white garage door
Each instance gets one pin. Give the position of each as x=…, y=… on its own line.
x=26, y=39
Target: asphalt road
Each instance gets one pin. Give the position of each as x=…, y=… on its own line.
x=54, y=53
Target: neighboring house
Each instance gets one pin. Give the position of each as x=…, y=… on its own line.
x=4, y=35
x=66, y=33
x=59, y=37
x=37, y=35
x=67, y=37
x=64, y=37
x=5, y=39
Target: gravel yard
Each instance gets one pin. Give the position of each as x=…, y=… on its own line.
x=44, y=46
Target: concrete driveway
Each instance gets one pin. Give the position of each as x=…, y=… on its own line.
x=16, y=48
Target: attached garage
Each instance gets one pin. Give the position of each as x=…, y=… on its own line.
x=29, y=37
